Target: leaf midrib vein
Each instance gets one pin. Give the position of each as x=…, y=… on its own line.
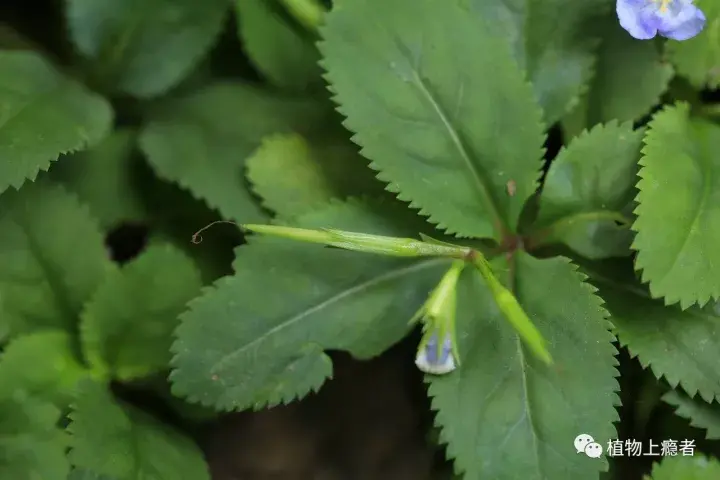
x=117, y=339
x=34, y=98
x=481, y=187
x=527, y=412
x=707, y=179
x=66, y=309
x=589, y=216
x=359, y=288
x=113, y=50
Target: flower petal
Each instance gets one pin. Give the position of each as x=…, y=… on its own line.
x=427, y=359
x=639, y=21
x=688, y=24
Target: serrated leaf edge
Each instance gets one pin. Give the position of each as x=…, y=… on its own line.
x=586, y=133
x=391, y=186
x=181, y=181
x=197, y=398
x=127, y=410
x=100, y=294
x=193, y=60
x=80, y=145
x=684, y=300
x=674, y=381
x=682, y=411
x=444, y=436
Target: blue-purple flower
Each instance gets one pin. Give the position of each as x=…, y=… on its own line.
x=437, y=353
x=434, y=358
x=674, y=19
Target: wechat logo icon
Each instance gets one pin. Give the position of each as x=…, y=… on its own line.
x=585, y=443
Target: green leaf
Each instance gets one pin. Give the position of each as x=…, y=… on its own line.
x=120, y=441
x=681, y=345
x=698, y=59
x=281, y=51
x=127, y=326
x=552, y=41
x=52, y=256
x=576, y=121
x=695, y=467
x=589, y=189
x=504, y=413
x=104, y=177
x=561, y=48
x=82, y=474
x=257, y=338
x=202, y=141
x=700, y=413
x=629, y=80
x=143, y=47
x=506, y=19
x=292, y=175
x=31, y=445
x=678, y=222
x=44, y=114
x=43, y=364
x=285, y=173
x=443, y=133
x=11, y=39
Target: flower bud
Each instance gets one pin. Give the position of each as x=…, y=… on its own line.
x=436, y=358
x=437, y=352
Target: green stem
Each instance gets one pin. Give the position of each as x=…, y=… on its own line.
x=308, y=12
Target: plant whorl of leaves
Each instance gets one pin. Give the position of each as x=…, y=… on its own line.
x=160, y=114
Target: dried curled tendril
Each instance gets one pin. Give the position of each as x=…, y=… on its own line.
x=197, y=236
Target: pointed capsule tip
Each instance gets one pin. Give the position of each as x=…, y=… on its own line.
x=546, y=358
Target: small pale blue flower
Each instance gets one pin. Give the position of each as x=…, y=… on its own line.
x=437, y=352
x=435, y=359
x=674, y=19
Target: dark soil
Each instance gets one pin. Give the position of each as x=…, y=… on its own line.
x=367, y=423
